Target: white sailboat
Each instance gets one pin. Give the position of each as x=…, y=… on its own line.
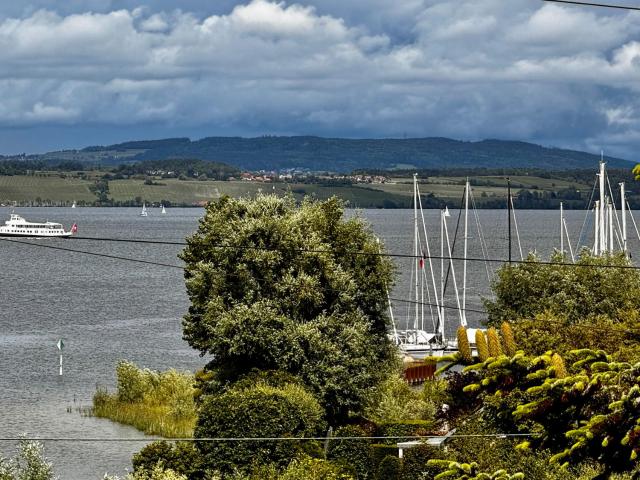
x=144, y=213
x=73, y=205
x=416, y=341
x=164, y=212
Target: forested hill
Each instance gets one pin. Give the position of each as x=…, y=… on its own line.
x=343, y=155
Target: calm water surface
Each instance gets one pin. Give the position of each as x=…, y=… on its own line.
x=107, y=310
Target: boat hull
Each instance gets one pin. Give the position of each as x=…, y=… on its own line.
x=35, y=235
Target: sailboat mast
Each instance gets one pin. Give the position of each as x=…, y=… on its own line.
x=603, y=208
x=596, y=242
x=442, y=268
x=623, y=205
x=561, y=230
x=415, y=245
x=610, y=223
x=466, y=236
x=509, y=214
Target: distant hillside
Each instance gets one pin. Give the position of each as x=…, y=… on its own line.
x=341, y=155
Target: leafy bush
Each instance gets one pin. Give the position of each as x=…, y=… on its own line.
x=389, y=469
x=414, y=462
x=133, y=383
x=29, y=464
x=394, y=400
x=257, y=411
x=406, y=428
x=183, y=458
x=381, y=450
x=353, y=452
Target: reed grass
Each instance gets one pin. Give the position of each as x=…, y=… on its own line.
x=157, y=403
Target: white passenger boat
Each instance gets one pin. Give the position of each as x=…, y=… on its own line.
x=17, y=226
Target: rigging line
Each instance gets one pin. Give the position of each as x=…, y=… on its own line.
x=95, y=254
x=587, y=214
x=413, y=302
x=590, y=4
x=515, y=223
x=484, y=249
x=262, y=439
x=615, y=215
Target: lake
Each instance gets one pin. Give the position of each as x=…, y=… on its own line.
x=107, y=310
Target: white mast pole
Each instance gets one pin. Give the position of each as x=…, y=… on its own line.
x=561, y=230
x=596, y=242
x=466, y=237
x=610, y=220
x=603, y=232
x=442, y=269
x=623, y=204
x=415, y=246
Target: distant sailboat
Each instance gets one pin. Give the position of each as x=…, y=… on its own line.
x=143, y=213
x=74, y=204
x=163, y=210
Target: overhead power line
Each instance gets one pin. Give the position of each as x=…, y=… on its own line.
x=590, y=4
x=302, y=250
x=95, y=254
x=358, y=252
x=262, y=439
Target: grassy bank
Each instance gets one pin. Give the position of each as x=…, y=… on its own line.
x=157, y=403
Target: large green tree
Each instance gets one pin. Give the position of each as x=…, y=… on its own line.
x=276, y=286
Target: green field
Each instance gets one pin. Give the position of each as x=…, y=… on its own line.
x=398, y=192
x=23, y=188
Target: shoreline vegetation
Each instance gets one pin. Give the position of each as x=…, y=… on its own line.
x=373, y=189
x=156, y=403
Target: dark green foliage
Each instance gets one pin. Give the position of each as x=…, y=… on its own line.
x=353, y=452
x=573, y=295
x=257, y=411
x=182, y=458
x=406, y=428
x=173, y=168
x=381, y=450
x=389, y=469
x=414, y=462
x=319, y=316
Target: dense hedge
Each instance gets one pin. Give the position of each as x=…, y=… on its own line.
x=356, y=453
x=183, y=458
x=257, y=411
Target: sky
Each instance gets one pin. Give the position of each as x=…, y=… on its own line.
x=75, y=73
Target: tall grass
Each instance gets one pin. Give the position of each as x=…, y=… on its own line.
x=157, y=403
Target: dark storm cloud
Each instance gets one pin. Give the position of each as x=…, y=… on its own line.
x=470, y=69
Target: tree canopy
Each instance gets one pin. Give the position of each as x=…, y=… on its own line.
x=276, y=286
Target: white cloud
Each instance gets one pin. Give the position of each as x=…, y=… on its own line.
x=465, y=69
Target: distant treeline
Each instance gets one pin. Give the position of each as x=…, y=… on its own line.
x=24, y=167
x=177, y=167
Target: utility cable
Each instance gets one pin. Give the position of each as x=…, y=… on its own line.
x=357, y=253
x=264, y=439
x=302, y=250
x=95, y=254
x=590, y=4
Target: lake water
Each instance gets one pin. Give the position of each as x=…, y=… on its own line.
x=107, y=310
